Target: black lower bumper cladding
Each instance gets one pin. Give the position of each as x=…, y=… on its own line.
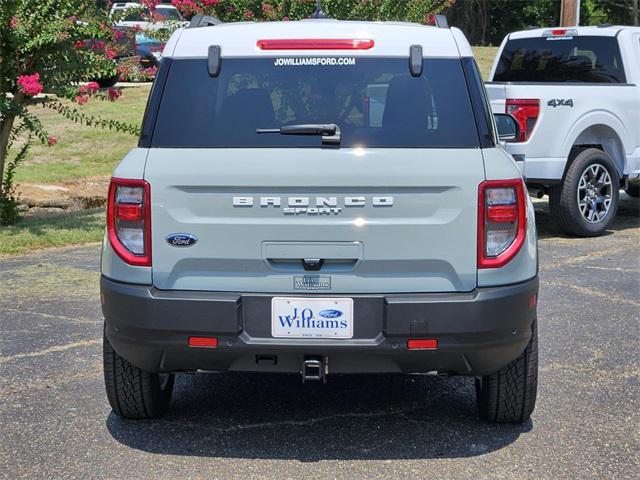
x=477, y=332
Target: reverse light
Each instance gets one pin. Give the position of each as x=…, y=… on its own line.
x=315, y=44
x=525, y=112
x=502, y=221
x=129, y=220
x=422, y=344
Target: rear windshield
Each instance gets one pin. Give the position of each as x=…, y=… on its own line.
x=561, y=59
x=374, y=101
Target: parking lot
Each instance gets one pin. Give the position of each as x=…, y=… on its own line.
x=55, y=421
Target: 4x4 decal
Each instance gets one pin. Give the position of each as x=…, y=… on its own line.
x=560, y=102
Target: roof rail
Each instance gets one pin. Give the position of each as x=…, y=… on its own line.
x=532, y=27
x=605, y=25
x=319, y=13
x=204, y=21
x=440, y=21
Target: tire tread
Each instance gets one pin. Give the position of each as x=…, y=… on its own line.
x=509, y=395
x=132, y=392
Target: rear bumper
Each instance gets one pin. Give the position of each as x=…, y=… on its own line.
x=478, y=332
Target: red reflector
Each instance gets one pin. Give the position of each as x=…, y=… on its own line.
x=533, y=301
x=128, y=212
x=315, y=44
x=422, y=344
x=502, y=213
x=209, y=342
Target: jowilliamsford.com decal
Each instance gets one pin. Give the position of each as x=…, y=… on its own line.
x=313, y=61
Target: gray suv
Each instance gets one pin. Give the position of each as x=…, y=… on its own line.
x=320, y=197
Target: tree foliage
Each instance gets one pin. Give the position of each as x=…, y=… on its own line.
x=239, y=10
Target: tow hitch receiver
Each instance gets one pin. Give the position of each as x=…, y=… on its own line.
x=313, y=369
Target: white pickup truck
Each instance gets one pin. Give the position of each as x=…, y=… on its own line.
x=575, y=93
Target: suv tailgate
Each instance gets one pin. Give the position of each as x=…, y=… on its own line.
x=424, y=241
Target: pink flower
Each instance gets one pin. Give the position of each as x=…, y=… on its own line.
x=248, y=14
x=113, y=93
x=51, y=140
x=79, y=44
x=285, y=19
x=210, y=3
x=187, y=7
x=97, y=45
x=150, y=4
x=30, y=84
x=117, y=35
x=13, y=23
x=73, y=19
x=151, y=71
x=90, y=88
x=110, y=53
x=82, y=99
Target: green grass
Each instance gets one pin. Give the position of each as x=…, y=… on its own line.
x=484, y=57
x=33, y=233
x=83, y=151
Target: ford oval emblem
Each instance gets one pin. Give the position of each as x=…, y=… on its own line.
x=181, y=239
x=330, y=313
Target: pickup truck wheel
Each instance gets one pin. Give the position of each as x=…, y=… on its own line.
x=586, y=202
x=509, y=395
x=633, y=189
x=134, y=393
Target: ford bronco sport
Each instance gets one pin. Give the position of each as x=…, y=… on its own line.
x=324, y=197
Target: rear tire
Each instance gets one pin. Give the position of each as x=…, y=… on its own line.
x=509, y=395
x=134, y=393
x=570, y=202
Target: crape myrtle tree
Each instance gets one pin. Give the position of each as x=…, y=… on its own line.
x=243, y=10
x=56, y=47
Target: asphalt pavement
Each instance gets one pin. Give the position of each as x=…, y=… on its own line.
x=55, y=421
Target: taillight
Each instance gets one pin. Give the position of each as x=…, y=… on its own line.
x=315, y=44
x=526, y=112
x=129, y=220
x=502, y=221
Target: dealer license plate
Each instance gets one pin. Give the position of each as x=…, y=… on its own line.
x=310, y=317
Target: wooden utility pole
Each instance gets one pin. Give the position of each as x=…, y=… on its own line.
x=570, y=13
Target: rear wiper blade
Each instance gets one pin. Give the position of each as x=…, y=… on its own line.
x=330, y=132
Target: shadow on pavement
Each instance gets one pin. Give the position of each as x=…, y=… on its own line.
x=351, y=417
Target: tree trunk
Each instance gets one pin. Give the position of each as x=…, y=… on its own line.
x=635, y=8
x=5, y=134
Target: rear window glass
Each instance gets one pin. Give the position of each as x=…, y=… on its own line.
x=561, y=59
x=374, y=101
